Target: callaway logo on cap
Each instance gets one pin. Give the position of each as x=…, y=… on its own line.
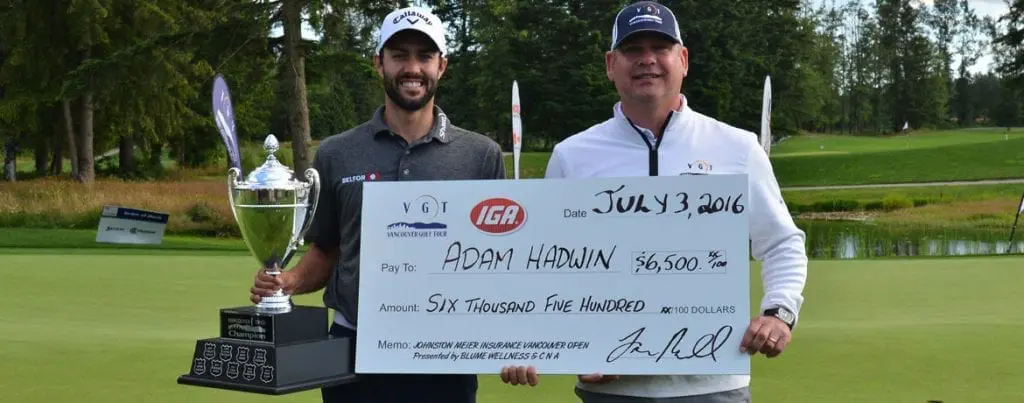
x=416, y=18
x=645, y=16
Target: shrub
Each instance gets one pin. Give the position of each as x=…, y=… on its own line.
x=838, y=205
x=896, y=201
x=873, y=206
x=201, y=212
x=824, y=206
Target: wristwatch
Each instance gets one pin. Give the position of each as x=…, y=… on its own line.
x=784, y=314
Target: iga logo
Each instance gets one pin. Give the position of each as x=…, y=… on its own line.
x=498, y=216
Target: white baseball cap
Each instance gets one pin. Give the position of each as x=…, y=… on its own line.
x=416, y=18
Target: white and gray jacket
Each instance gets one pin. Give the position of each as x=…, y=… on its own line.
x=695, y=143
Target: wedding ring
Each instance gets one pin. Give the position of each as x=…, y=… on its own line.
x=773, y=340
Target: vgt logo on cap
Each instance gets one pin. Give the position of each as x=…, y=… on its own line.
x=645, y=16
x=498, y=216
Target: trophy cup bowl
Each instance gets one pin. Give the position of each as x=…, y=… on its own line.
x=273, y=212
x=274, y=347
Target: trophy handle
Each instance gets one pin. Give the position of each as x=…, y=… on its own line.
x=312, y=198
x=233, y=175
x=313, y=176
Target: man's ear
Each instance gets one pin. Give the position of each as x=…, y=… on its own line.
x=684, y=55
x=378, y=64
x=443, y=67
x=609, y=62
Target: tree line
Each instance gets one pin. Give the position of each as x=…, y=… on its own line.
x=78, y=77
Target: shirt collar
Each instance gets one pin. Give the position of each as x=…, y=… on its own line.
x=438, y=131
x=676, y=115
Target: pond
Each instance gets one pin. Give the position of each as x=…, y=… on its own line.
x=854, y=240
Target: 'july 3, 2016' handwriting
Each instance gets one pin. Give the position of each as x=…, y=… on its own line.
x=617, y=201
x=705, y=346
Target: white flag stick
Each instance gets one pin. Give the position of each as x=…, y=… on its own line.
x=1020, y=208
x=517, y=128
x=766, y=116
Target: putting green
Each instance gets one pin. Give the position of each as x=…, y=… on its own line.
x=121, y=327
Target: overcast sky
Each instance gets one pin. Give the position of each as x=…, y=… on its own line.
x=994, y=9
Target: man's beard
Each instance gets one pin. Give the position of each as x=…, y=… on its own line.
x=393, y=88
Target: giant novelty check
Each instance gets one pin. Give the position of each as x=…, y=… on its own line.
x=646, y=275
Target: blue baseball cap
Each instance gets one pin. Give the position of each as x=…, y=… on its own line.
x=645, y=16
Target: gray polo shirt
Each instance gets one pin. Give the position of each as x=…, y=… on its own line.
x=371, y=152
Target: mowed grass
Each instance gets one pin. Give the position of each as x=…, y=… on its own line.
x=921, y=157
x=857, y=160
x=830, y=144
x=121, y=327
x=954, y=155
x=988, y=160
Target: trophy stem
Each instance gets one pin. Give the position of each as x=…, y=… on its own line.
x=279, y=302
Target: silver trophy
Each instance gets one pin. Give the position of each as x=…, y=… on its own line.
x=273, y=212
x=292, y=348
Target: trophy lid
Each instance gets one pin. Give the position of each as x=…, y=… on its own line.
x=272, y=174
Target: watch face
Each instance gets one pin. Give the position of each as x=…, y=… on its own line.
x=785, y=315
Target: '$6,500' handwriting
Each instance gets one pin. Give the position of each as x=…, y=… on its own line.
x=655, y=262
x=617, y=201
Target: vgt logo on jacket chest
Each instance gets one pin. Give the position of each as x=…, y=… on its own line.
x=498, y=216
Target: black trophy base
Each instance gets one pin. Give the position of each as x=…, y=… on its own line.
x=272, y=355
x=296, y=324
x=270, y=369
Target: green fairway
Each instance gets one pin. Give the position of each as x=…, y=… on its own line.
x=954, y=155
x=987, y=160
x=121, y=327
x=830, y=144
x=854, y=160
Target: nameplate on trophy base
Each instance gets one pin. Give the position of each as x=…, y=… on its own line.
x=269, y=368
x=250, y=323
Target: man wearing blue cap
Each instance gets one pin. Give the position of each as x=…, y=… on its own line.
x=653, y=132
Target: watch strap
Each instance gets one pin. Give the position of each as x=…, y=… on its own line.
x=783, y=314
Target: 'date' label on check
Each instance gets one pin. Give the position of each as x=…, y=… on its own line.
x=646, y=275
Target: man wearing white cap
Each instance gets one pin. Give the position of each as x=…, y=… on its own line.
x=653, y=131
x=408, y=138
